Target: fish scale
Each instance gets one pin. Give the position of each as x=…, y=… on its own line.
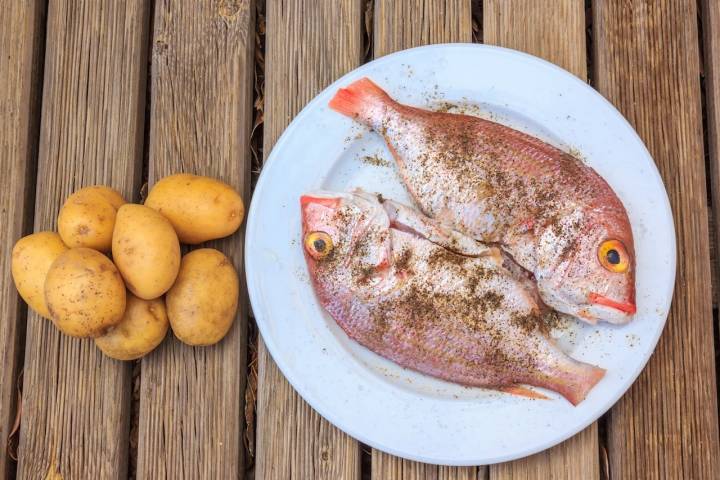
x=432, y=300
x=500, y=185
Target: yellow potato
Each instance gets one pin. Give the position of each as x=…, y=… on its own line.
x=31, y=260
x=87, y=218
x=146, y=250
x=201, y=305
x=142, y=328
x=200, y=208
x=109, y=194
x=85, y=293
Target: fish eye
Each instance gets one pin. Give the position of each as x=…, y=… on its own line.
x=613, y=256
x=318, y=244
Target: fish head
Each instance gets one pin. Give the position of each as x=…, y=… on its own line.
x=346, y=237
x=594, y=276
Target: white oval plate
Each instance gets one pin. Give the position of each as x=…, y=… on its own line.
x=374, y=400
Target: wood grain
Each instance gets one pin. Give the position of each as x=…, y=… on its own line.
x=191, y=399
x=22, y=32
x=553, y=31
x=389, y=467
x=556, y=34
x=573, y=459
x=646, y=63
x=398, y=25
x=76, y=401
x=711, y=33
x=309, y=44
x=402, y=24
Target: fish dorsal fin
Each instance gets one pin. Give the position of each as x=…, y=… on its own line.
x=410, y=220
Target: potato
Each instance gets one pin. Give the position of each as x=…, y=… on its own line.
x=201, y=305
x=85, y=293
x=142, y=328
x=200, y=208
x=146, y=250
x=87, y=218
x=108, y=193
x=31, y=260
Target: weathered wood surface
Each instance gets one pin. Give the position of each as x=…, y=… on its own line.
x=22, y=31
x=573, y=459
x=555, y=32
x=191, y=399
x=402, y=24
x=647, y=64
x=76, y=402
x=309, y=44
x=711, y=33
x=389, y=467
x=398, y=25
x=558, y=35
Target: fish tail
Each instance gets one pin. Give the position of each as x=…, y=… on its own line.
x=570, y=378
x=360, y=99
x=575, y=380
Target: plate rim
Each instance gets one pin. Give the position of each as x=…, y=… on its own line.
x=254, y=297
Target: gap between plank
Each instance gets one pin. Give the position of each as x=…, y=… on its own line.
x=256, y=147
x=602, y=422
x=10, y=444
x=368, y=46
x=704, y=15
x=139, y=196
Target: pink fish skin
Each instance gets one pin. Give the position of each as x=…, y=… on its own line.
x=463, y=318
x=555, y=215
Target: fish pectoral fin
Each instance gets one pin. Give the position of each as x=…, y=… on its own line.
x=523, y=392
x=410, y=220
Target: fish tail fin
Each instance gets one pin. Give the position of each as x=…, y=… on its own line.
x=576, y=380
x=359, y=99
x=521, y=391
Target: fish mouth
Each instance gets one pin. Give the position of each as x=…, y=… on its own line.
x=625, y=307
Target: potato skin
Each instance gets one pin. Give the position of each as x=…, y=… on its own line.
x=201, y=306
x=146, y=250
x=200, y=208
x=31, y=259
x=85, y=293
x=142, y=328
x=87, y=217
x=108, y=193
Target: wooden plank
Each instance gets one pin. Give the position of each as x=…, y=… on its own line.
x=714, y=183
x=22, y=31
x=309, y=44
x=386, y=466
x=573, y=459
x=191, y=399
x=401, y=24
x=711, y=33
x=556, y=34
x=646, y=63
x=76, y=401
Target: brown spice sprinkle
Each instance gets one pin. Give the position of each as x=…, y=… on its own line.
x=443, y=256
x=375, y=160
x=402, y=263
x=364, y=273
x=544, y=322
x=552, y=320
x=490, y=301
x=508, y=192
